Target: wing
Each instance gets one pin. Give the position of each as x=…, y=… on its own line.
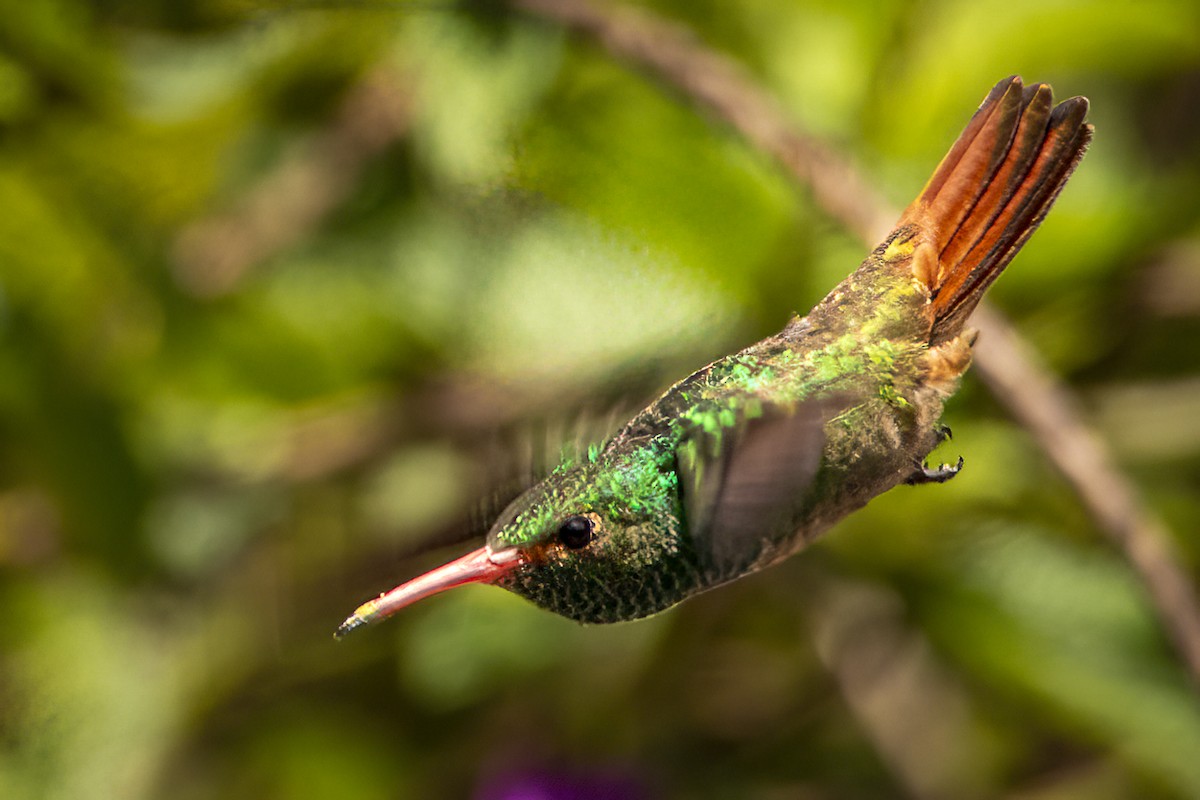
x=742, y=485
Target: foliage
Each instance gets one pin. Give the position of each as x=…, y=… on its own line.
x=203, y=471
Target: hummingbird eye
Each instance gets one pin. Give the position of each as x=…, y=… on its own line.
x=575, y=532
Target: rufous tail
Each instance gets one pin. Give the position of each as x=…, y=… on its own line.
x=990, y=193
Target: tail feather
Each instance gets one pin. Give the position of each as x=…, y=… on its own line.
x=991, y=191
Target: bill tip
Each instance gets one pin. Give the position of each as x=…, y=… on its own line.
x=352, y=622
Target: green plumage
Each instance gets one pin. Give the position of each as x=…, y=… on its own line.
x=851, y=363
x=747, y=460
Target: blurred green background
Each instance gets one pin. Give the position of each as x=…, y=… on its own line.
x=280, y=286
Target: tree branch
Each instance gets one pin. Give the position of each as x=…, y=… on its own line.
x=212, y=255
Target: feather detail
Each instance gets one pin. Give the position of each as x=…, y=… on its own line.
x=990, y=193
x=740, y=484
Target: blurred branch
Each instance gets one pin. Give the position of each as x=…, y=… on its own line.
x=913, y=709
x=1171, y=284
x=1012, y=371
x=720, y=85
x=213, y=254
x=1120, y=410
x=1036, y=400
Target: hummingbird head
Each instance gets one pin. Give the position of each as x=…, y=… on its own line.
x=597, y=542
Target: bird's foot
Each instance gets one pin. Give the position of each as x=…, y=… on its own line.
x=925, y=474
x=942, y=433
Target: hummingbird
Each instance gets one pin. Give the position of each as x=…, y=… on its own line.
x=744, y=462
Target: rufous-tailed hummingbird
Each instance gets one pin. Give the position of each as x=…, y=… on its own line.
x=746, y=461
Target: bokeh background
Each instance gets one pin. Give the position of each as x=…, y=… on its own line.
x=282, y=287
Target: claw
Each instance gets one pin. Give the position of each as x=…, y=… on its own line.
x=924, y=474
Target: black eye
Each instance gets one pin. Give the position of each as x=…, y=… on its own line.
x=575, y=532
